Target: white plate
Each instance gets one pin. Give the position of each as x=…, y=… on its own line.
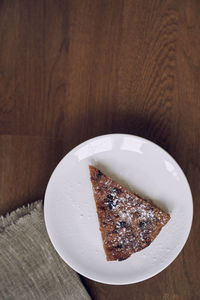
x=70, y=212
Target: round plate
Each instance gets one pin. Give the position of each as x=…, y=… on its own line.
x=70, y=211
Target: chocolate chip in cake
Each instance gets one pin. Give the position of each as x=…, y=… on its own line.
x=119, y=246
x=99, y=173
x=111, y=203
x=109, y=196
x=141, y=224
x=122, y=224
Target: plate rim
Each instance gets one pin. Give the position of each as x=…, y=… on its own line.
x=45, y=209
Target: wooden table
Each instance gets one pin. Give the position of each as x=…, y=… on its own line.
x=72, y=70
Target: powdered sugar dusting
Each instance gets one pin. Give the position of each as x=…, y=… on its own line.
x=135, y=219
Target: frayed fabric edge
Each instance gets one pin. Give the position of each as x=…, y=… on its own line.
x=15, y=215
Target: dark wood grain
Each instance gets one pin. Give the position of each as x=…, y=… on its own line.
x=71, y=70
x=26, y=165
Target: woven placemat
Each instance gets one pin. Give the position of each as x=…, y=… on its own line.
x=30, y=268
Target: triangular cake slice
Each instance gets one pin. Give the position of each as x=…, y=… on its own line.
x=128, y=223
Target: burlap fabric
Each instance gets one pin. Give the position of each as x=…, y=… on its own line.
x=30, y=268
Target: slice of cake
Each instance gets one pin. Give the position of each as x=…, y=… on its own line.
x=128, y=223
